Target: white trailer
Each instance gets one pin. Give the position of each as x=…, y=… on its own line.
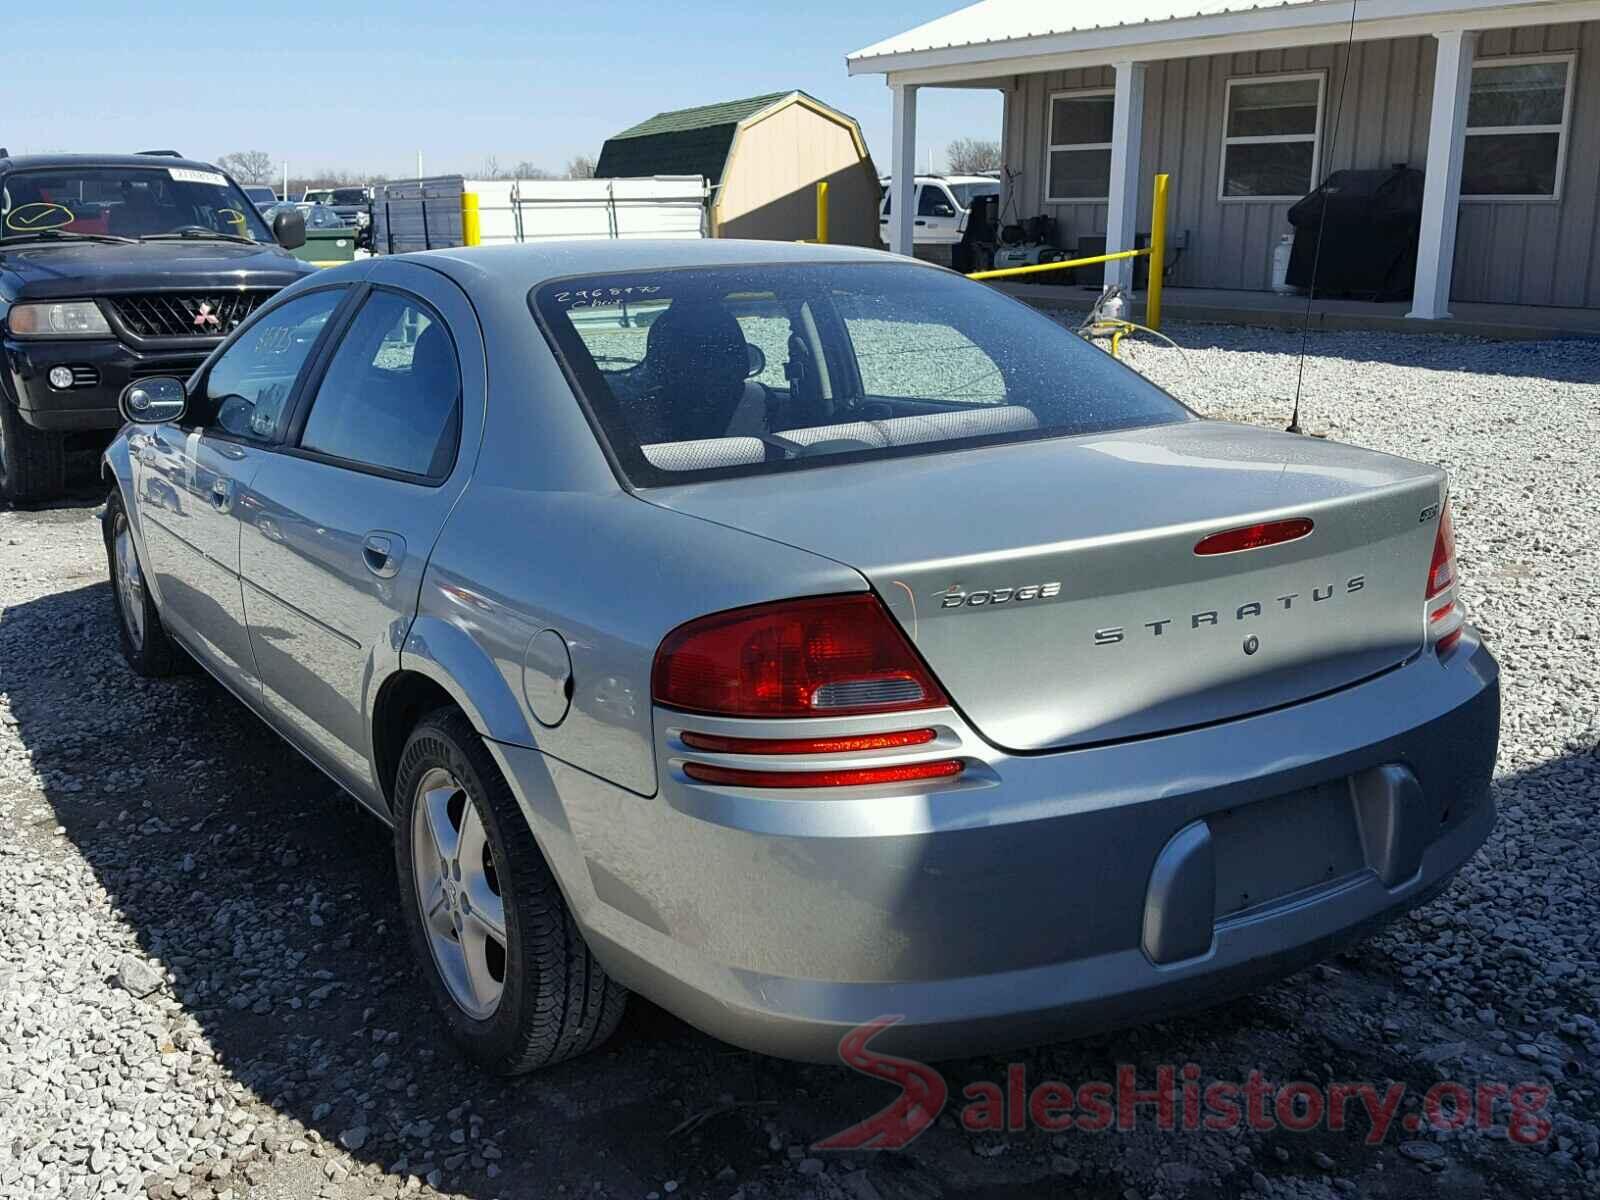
x=426, y=214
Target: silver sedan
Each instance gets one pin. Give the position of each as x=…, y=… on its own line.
x=800, y=636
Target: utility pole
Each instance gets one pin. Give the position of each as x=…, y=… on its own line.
x=419, y=166
x=286, y=179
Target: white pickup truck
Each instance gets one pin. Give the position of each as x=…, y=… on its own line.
x=942, y=204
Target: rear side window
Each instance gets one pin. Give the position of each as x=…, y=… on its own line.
x=705, y=372
x=391, y=397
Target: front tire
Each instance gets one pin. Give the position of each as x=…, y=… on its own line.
x=33, y=462
x=509, y=972
x=145, y=644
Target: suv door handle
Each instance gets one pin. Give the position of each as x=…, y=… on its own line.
x=221, y=494
x=382, y=553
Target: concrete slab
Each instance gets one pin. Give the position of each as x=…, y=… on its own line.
x=1505, y=322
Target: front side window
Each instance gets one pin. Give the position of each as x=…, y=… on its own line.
x=853, y=361
x=247, y=390
x=1079, y=166
x=127, y=202
x=934, y=201
x=1270, y=136
x=391, y=397
x=1516, y=127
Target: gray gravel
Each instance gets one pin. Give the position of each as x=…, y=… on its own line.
x=203, y=993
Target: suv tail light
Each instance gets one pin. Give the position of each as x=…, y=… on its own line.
x=1445, y=618
x=819, y=657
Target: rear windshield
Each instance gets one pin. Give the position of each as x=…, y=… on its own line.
x=708, y=372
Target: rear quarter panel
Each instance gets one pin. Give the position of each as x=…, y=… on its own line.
x=612, y=576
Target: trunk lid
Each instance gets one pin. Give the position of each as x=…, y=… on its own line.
x=1053, y=586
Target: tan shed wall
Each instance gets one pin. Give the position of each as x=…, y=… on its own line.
x=1507, y=251
x=769, y=185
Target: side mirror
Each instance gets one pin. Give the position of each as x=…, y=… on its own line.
x=155, y=401
x=758, y=360
x=289, y=229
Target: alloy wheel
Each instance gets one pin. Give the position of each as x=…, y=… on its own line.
x=458, y=893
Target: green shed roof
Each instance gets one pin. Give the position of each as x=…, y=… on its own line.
x=686, y=141
x=728, y=112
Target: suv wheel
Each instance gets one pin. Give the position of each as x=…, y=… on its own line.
x=145, y=644
x=508, y=970
x=33, y=462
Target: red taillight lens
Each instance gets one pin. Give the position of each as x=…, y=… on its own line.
x=1253, y=537
x=853, y=744
x=1442, y=571
x=947, y=768
x=826, y=656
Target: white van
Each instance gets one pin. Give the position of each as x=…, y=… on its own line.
x=942, y=203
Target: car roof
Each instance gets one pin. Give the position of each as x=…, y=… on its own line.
x=19, y=162
x=531, y=264
x=500, y=277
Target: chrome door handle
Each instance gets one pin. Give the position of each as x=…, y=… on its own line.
x=382, y=553
x=221, y=494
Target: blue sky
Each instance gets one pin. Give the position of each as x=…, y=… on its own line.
x=363, y=86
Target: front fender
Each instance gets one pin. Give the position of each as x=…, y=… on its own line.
x=446, y=654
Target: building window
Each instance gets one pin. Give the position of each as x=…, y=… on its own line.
x=1517, y=118
x=1079, y=154
x=1271, y=134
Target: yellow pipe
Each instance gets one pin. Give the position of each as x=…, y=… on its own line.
x=471, y=226
x=1158, y=253
x=1006, y=272
x=822, y=212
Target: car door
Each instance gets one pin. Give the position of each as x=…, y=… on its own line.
x=187, y=479
x=338, y=524
x=937, y=220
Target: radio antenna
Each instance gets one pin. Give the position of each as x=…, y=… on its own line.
x=1322, y=223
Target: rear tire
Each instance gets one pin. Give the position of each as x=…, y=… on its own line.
x=532, y=996
x=145, y=644
x=33, y=462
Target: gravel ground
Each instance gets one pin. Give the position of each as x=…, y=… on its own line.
x=204, y=991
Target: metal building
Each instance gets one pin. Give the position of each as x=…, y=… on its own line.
x=1499, y=103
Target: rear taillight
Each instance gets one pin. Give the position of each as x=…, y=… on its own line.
x=1443, y=607
x=819, y=657
x=822, y=657
x=851, y=744
x=946, y=768
x=1442, y=571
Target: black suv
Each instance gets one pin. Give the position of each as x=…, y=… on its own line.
x=114, y=267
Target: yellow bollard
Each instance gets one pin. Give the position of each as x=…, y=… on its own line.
x=471, y=228
x=822, y=212
x=1158, y=253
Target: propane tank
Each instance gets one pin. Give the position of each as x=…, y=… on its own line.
x=1280, y=265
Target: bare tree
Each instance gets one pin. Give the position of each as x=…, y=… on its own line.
x=491, y=167
x=580, y=166
x=973, y=156
x=248, y=166
x=528, y=170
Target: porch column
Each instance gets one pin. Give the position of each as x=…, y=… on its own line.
x=902, y=168
x=1441, y=192
x=1122, y=215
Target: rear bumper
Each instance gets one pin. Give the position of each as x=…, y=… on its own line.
x=90, y=405
x=1032, y=901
